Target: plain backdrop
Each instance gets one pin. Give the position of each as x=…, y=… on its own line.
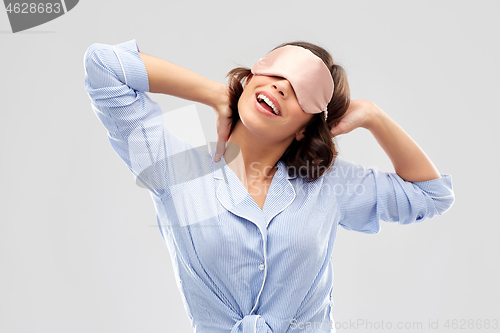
x=80, y=250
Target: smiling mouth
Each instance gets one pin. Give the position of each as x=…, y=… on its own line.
x=267, y=104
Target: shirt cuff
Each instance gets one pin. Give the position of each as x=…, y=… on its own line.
x=437, y=188
x=134, y=72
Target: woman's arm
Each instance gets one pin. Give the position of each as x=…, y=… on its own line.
x=409, y=160
x=417, y=191
x=116, y=82
x=170, y=79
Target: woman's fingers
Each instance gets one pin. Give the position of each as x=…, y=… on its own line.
x=221, y=147
x=223, y=131
x=356, y=116
x=341, y=128
x=224, y=116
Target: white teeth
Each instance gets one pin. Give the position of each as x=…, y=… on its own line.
x=268, y=102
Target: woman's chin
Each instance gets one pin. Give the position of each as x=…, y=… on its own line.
x=256, y=123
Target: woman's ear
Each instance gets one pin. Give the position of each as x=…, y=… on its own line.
x=249, y=77
x=300, y=134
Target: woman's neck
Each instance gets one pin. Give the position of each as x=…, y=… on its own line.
x=250, y=157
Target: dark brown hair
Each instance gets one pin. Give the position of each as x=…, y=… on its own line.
x=316, y=152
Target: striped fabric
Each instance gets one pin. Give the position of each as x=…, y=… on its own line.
x=240, y=268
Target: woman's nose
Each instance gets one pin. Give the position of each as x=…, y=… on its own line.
x=283, y=87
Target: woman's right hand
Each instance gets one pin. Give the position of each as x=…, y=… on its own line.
x=224, y=120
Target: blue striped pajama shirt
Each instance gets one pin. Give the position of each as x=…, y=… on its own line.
x=240, y=268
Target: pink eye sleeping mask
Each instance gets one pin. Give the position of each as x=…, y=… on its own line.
x=307, y=73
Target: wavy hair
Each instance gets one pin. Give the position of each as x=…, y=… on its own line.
x=317, y=151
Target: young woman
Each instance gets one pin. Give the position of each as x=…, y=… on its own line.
x=251, y=229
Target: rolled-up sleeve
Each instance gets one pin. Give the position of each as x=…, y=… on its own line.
x=366, y=196
x=116, y=82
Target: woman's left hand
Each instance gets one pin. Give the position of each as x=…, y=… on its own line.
x=359, y=114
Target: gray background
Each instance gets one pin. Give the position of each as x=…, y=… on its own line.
x=79, y=247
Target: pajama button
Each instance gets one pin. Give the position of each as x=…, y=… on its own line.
x=261, y=267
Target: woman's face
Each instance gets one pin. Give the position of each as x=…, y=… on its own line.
x=258, y=116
